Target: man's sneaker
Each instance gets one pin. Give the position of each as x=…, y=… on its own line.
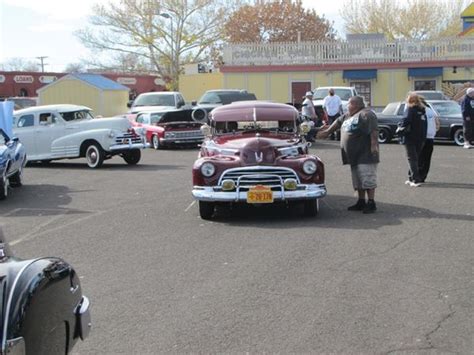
x=370, y=207
x=468, y=146
x=359, y=206
x=414, y=184
x=408, y=182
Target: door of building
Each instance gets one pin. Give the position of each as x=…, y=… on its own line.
x=298, y=90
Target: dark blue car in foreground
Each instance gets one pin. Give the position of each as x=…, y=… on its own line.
x=12, y=162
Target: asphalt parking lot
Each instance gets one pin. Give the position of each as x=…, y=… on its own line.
x=161, y=280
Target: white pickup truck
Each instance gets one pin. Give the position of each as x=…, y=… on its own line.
x=54, y=132
x=344, y=92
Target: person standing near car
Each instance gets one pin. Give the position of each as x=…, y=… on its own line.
x=467, y=107
x=432, y=126
x=414, y=123
x=309, y=114
x=360, y=149
x=332, y=106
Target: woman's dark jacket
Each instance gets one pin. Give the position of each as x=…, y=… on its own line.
x=416, y=120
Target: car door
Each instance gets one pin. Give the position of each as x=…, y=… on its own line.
x=49, y=129
x=24, y=128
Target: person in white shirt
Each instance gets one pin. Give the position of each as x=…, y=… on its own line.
x=332, y=106
x=309, y=114
x=424, y=160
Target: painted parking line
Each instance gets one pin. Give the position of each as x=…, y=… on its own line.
x=190, y=205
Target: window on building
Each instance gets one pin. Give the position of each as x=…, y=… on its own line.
x=425, y=85
x=363, y=89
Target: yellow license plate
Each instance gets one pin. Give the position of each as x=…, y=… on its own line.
x=260, y=194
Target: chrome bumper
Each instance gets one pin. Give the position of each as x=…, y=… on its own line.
x=183, y=140
x=304, y=192
x=128, y=146
x=83, y=318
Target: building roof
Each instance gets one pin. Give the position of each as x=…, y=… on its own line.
x=468, y=11
x=100, y=82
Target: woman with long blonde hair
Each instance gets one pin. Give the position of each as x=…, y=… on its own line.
x=415, y=125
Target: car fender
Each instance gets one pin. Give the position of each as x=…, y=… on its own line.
x=73, y=142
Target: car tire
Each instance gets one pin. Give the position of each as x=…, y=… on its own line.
x=16, y=179
x=132, y=157
x=155, y=142
x=206, y=209
x=3, y=187
x=458, y=136
x=384, y=136
x=94, y=156
x=311, y=207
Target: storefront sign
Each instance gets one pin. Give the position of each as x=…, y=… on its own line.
x=23, y=79
x=46, y=79
x=2, y=78
x=127, y=81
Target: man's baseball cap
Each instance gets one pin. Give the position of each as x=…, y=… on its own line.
x=310, y=93
x=469, y=91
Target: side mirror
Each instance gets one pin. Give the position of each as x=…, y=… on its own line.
x=129, y=104
x=193, y=103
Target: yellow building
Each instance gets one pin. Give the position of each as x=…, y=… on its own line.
x=104, y=96
x=382, y=71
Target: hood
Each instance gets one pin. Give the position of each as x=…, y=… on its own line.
x=137, y=109
x=117, y=123
x=257, y=150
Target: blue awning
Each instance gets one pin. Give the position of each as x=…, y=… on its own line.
x=360, y=74
x=425, y=72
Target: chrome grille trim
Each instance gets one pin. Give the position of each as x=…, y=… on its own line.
x=185, y=134
x=259, y=175
x=134, y=138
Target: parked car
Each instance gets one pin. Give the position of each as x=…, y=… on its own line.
x=12, y=162
x=215, y=98
x=432, y=94
x=157, y=101
x=42, y=308
x=253, y=153
x=54, y=132
x=170, y=128
x=449, y=113
x=344, y=92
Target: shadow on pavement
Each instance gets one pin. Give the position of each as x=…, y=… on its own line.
x=116, y=167
x=39, y=200
x=333, y=214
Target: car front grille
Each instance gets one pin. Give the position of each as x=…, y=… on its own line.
x=128, y=138
x=185, y=134
x=258, y=175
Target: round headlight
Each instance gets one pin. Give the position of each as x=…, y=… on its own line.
x=309, y=167
x=208, y=169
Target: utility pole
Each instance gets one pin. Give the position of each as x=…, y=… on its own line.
x=42, y=63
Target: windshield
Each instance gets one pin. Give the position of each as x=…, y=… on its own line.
x=252, y=126
x=447, y=108
x=344, y=94
x=155, y=100
x=76, y=115
x=156, y=117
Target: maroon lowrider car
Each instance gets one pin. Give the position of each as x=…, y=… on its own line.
x=254, y=154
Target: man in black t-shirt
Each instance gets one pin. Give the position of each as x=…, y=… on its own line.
x=359, y=149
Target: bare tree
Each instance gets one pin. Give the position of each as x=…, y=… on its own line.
x=277, y=21
x=20, y=64
x=413, y=19
x=75, y=68
x=165, y=34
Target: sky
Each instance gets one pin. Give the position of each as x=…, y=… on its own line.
x=34, y=28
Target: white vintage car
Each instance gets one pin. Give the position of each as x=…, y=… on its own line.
x=54, y=132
